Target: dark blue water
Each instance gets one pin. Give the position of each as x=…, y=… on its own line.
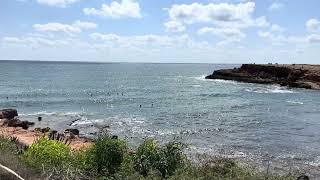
x=246, y=121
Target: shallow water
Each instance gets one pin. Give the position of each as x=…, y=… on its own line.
x=250, y=122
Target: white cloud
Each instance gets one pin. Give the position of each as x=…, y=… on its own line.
x=33, y=41
x=223, y=12
x=76, y=27
x=174, y=26
x=313, y=25
x=276, y=6
x=280, y=39
x=261, y=22
x=57, y=27
x=222, y=15
x=229, y=34
x=277, y=28
x=125, y=8
x=314, y=38
x=142, y=40
x=57, y=3
x=85, y=25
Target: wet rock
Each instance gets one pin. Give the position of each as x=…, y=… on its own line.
x=72, y=131
x=45, y=130
x=72, y=122
x=16, y=122
x=8, y=113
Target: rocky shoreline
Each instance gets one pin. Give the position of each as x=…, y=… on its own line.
x=12, y=126
x=294, y=75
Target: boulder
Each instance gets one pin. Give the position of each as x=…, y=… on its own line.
x=8, y=113
x=16, y=122
x=72, y=131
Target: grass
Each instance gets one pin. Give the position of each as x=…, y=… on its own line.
x=10, y=157
x=111, y=158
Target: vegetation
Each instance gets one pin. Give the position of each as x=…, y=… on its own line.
x=111, y=158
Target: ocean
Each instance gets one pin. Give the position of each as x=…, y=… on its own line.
x=264, y=125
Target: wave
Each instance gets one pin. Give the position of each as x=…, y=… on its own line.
x=115, y=120
x=200, y=78
x=45, y=113
x=267, y=90
x=203, y=78
x=295, y=102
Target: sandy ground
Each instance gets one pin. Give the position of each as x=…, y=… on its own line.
x=27, y=137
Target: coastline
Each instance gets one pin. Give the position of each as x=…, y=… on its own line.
x=292, y=75
x=27, y=137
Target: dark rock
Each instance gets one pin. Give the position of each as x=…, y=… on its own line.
x=72, y=122
x=8, y=113
x=39, y=118
x=45, y=130
x=72, y=131
x=284, y=75
x=16, y=122
x=303, y=177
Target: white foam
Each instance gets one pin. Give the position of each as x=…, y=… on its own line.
x=203, y=78
x=45, y=113
x=295, y=102
x=267, y=90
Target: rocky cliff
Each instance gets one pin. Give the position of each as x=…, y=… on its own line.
x=300, y=76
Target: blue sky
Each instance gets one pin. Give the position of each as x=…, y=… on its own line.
x=188, y=31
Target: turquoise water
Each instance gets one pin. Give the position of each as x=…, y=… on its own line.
x=250, y=122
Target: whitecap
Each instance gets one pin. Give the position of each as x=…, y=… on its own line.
x=295, y=102
x=267, y=90
x=203, y=78
x=45, y=113
x=200, y=78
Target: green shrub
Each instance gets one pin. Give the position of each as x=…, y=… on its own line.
x=8, y=144
x=147, y=156
x=47, y=153
x=166, y=159
x=109, y=154
x=106, y=155
x=172, y=158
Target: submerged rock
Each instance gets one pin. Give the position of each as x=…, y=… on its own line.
x=8, y=113
x=299, y=76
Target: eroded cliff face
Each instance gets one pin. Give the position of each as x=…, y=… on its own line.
x=300, y=76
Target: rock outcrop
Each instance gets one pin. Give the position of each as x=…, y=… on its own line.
x=16, y=122
x=8, y=113
x=299, y=76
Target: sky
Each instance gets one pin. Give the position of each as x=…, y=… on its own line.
x=161, y=31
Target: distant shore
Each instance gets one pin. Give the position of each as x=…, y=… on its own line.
x=292, y=75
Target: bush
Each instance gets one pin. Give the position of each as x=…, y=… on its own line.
x=166, y=159
x=8, y=144
x=105, y=156
x=47, y=153
x=174, y=158
x=147, y=157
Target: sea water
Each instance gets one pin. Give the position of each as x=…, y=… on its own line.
x=254, y=123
